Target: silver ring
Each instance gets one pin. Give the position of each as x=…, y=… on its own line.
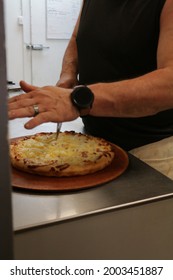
x=36, y=110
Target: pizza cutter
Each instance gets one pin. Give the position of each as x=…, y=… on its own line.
x=58, y=128
x=55, y=138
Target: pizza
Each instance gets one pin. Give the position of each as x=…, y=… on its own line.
x=70, y=155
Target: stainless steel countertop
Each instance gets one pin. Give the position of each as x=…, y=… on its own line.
x=139, y=184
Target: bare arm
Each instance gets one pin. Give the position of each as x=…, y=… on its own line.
x=148, y=94
x=69, y=71
x=142, y=96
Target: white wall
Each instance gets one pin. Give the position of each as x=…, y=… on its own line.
x=19, y=62
x=14, y=40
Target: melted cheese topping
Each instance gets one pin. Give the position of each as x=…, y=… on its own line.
x=71, y=148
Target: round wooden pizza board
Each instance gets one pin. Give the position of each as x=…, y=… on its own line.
x=22, y=180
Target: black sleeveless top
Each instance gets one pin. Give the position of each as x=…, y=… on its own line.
x=117, y=39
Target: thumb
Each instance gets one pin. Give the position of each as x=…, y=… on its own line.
x=27, y=87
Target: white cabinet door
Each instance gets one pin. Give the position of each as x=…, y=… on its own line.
x=42, y=56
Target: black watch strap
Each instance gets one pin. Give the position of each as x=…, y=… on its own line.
x=82, y=98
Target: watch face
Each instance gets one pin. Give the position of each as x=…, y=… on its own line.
x=82, y=97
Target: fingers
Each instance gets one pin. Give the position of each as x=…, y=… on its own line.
x=37, y=120
x=32, y=104
x=23, y=106
x=46, y=104
x=25, y=99
x=27, y=87
x=21, y=112
x=20, y=101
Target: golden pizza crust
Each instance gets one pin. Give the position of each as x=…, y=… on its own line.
x=72, y=154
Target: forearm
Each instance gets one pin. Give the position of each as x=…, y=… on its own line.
x=70, y=59
x=69, y=71
x=147, y=94
x=139, y=97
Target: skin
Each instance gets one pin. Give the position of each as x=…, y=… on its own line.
x=142, y=96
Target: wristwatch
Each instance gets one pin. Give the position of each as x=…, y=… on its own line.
x=82, y=98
